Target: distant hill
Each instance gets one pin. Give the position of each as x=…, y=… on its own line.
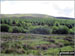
x=26, y=15
x=31, y=16
x=64, y=18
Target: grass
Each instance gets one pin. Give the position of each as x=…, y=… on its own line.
x=34, y=40
x=13, y=55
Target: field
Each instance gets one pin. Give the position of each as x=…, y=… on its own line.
x=35, y=35
x=20, y=44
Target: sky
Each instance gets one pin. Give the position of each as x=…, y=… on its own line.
x=52, y=8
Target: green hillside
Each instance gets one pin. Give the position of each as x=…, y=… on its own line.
x=34, y=23
x=26, y=15
x=35, y=35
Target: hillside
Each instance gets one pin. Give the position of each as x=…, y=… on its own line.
x=32, y=16
x=26, y=15
x=30, y=33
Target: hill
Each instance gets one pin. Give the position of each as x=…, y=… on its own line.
x=26, y=15
x=32, y=16
x=64, y=18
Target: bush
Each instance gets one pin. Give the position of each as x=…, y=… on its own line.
x=69, y=26
x=56, y=24
x=11, y=29
x=16, y=29
x=24, y=25
x=71, y=31
x=40, y=30
x=60, y=30
x=4, y=27
x=54, y=29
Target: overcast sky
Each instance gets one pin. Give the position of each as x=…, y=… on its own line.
x=53, y=8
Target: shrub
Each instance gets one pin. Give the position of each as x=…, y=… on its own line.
x=1, y=21
x=6, y=21
x=71, y=31
x=24, y=25
x=60, y=30
x=13, y=22
x=16, y=29
x=40, y=30
x=11, y=29
x=63, y=30
x=54, y=29
x=57, y=24
x=69, y=25
x=4, y=27
x=9, y=22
